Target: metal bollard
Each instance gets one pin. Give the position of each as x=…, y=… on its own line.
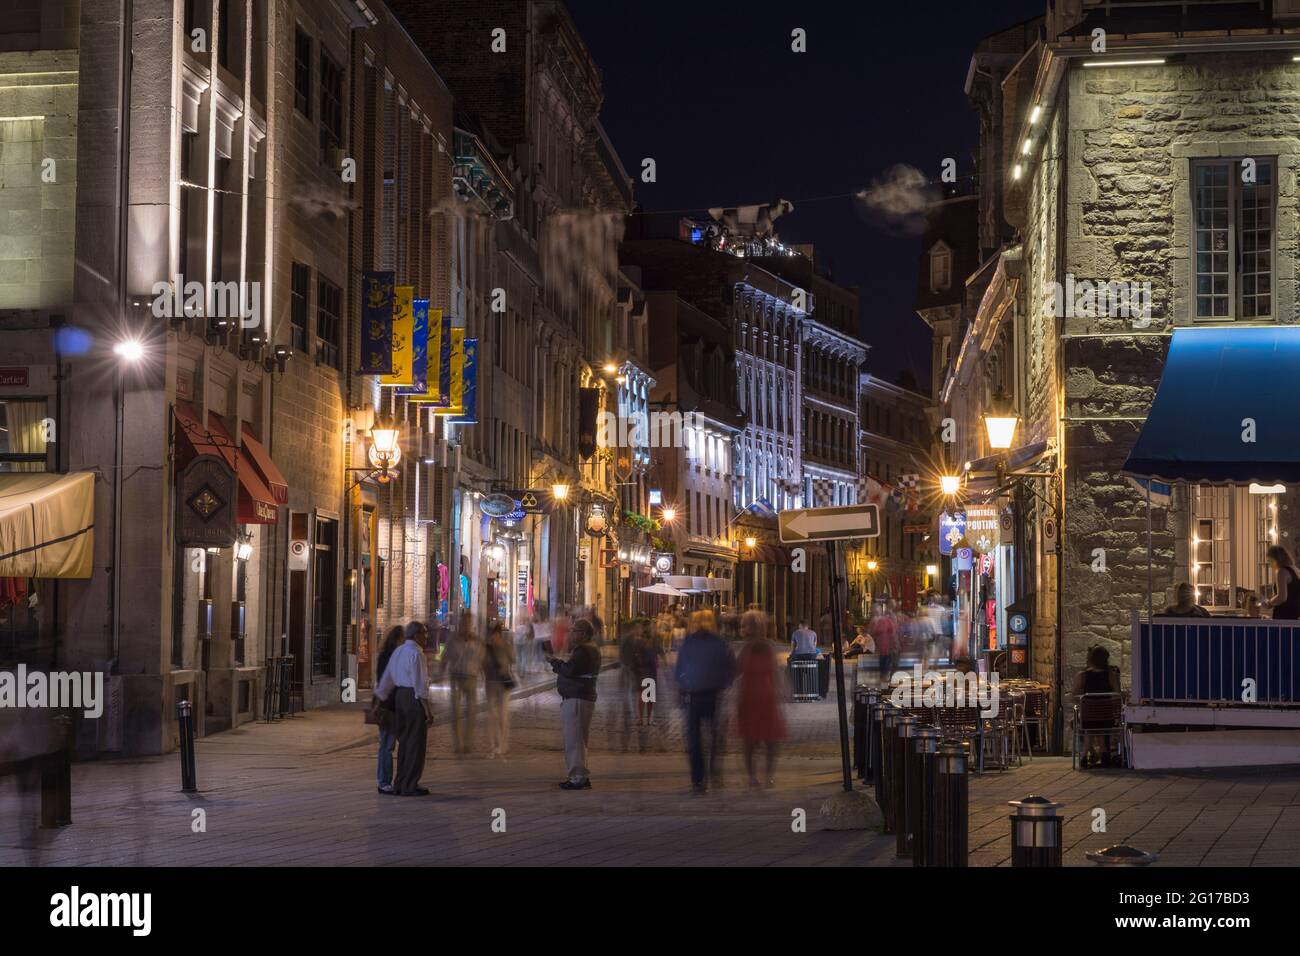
x=185, y=717
x=875, y=713
x=889, y=715
x=952, y=805
x=904, y=731
x=865, y=710
x=1121, y=855
x=1035, y=832
x=859, y=733
x=920, y=794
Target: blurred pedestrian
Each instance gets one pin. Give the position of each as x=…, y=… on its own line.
x=543, y=634
x=884, y=632
x=758, y=698
x=576, y=684
x=498, y=680
x=704, y=670
x=463, y=664
x=406, y=678
x=386, y=716
x=1285, y=601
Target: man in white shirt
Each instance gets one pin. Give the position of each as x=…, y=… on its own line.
x=407, y=677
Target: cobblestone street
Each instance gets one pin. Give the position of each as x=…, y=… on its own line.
x=302, y=792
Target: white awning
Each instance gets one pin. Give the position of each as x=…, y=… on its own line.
x=47, y=525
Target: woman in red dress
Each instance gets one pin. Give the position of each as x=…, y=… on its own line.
x=758, y=698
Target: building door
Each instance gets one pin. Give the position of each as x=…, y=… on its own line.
x=324, y=598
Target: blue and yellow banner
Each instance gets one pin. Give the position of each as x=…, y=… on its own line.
x=433, y=357
x=376, y=323
x=419, y=386
x=403, y=337
x=455, y=370
x=469, y=385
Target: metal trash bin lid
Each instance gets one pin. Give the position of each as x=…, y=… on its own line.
x=1121, y=855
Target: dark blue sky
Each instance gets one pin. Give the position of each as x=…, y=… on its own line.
x=731, y=116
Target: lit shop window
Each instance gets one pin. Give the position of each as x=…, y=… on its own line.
x=25, y=430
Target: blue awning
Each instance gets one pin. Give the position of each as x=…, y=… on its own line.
x=1217, y=383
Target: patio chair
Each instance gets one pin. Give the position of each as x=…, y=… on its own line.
x=1103, y=715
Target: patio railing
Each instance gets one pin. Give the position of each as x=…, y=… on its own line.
x=1197, y=660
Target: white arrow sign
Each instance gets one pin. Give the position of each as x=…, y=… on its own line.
x=829, y=524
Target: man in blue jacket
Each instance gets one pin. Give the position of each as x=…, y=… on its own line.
x=705, y=668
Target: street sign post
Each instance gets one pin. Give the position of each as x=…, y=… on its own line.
x=829, y=524
x=808, y=525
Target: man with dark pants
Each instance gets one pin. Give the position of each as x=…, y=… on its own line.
x=576, y=683
x=705, y=668
x=407, y=677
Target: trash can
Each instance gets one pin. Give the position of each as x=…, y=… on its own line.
x=803, y=678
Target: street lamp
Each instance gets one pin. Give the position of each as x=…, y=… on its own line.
x=560, y=491
x=670, y=515
x=610, y=368
x=750, y=542
x=949, y=484
x=385, y=452
x=130, y=350
x=932, y=570
x=872, y=565
x=1001, y=423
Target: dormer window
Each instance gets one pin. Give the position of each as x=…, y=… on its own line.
x=940, y=267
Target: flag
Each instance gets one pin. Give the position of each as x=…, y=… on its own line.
x=1161, y=492
x=761, y=507
x=454, y=407
x=872, y=492
x=403, y=337
x=376, y=323
x=469, y=390
x=419, y=386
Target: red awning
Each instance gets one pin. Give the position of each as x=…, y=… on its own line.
x=265, y=466
x=256, y=503
x=197, y=440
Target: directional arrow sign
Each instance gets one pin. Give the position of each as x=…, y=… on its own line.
x=829, y=524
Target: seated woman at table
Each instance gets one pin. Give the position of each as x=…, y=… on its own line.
x=1285, y=601
x=1097, y=678
x=1186, y=605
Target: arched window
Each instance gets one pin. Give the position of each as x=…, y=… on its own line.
x=940, y=267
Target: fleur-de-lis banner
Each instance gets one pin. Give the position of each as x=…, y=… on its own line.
x=403, y=342
x=377, y=323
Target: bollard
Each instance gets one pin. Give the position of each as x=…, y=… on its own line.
x=876, y=711
x=1121, y=855
x=904, y=731
x=860, y=722
x=920, y=794
x=185, y=717
x=1035, y=832
x=889, y=715
x=952, y=805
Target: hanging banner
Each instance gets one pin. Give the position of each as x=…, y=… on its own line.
x=982, y=526
x=376, y=323
x=444, y=361
x=952, y=528
x=469, y=384
x=588, y=405
x=403, y=336
x=453, y=407
x=419, y=386
x=438, y=329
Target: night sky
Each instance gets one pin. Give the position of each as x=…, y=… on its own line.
x=731, y=116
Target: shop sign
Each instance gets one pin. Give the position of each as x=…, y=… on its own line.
x=664, y=562
x=951, y=530
x=13, y=377
x=597, y=522
x=964, y=559
x=498, y=506
x=609, y=557
x=208, y=493
x=982, y=526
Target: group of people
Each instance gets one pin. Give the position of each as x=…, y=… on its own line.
x=1284, y=605
x=705, y=671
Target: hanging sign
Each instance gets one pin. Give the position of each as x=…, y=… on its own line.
x=952, y=528
x=419, y=387
x=207, y=492
x=982, y=526
x=403, y=337
x=376, y=323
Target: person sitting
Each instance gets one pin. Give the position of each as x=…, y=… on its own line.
x=803, y=643
x=1186, y=605
x=1098, y=677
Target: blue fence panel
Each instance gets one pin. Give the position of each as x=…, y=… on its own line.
x=1207, y=661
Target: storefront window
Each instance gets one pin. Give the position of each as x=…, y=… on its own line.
x=24, y=433
x=1230, y=531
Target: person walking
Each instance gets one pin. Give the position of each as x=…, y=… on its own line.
x=758, y=707
x=1285, y=601
x=632, y=641
x=406, y=678
x=576, y=684
x=463, y=663
x=387, y=716
x=704, y=669
x=498, y=680
x=884, y=632
x=543, y=635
